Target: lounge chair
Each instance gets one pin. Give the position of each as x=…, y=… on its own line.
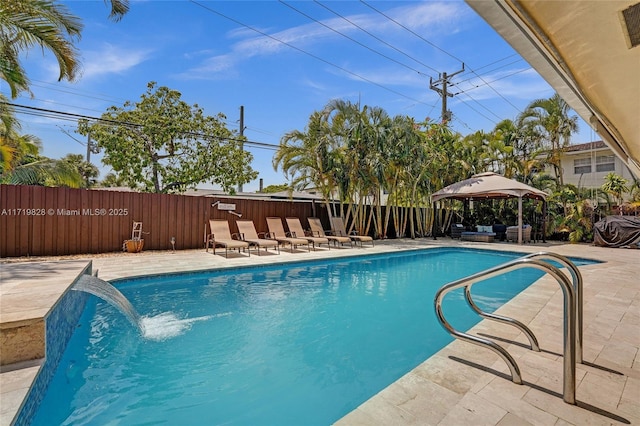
x=221, y=236
x=276, y=232
x=248, y=233
x=339, y=229
x=456, y=230
x=512, y=233
x=295, y=228
x=318, y=231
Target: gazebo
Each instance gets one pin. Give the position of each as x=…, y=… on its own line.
x=492, y=185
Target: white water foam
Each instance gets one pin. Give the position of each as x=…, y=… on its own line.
x=167, y=325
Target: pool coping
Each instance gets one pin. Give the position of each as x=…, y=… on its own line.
x=392, y=403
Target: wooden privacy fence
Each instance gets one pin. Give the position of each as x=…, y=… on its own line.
x=41, y=221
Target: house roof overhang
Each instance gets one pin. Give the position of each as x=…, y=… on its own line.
x=582, y=49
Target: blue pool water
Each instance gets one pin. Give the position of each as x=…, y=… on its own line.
x=302, y=344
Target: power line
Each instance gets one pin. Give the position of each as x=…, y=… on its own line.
x=411, y=31
x=305, y=52
x=490, y=71
x=67, y=105
x=440, y=49
x=489, y=110
x=478, y=112
x=350, y=38
x=375, y=37
x=68, y=116
x=455, y=117
x=493, y=81
x=495, y=62
x=71, y=136
x=78, y=93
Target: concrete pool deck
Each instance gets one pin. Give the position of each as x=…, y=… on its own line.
x=462, y=383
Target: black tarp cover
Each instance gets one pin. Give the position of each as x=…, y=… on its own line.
x=617, y=231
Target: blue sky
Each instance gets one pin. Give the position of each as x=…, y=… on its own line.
x=282, y=61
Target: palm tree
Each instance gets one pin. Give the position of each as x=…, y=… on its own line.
x=306, y=157
x=615, y=185
x=25, y=24
x=44, y=171
x=351, y=132
x=119, y=8
x=472, y=155
x=22, y=164
x=551, y=118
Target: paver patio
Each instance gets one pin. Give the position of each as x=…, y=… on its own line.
x=462, y=383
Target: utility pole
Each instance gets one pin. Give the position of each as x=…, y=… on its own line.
x=444, y=80
x=88, y=153
x=89, y=147
x=241, y=135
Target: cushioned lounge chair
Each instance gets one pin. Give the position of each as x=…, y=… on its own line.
x=248, y=233
x=276, y=232
x=512, y=233
x=318, y=231
x=221, y=236
x=339, y=229
x=456, y=230
x=296, y=231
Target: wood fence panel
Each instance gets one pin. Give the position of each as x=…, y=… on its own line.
x=8, y=224
x=78, y=221
x=36, y=234
x=24, y=231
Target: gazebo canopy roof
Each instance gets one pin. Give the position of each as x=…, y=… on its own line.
x=488, y=185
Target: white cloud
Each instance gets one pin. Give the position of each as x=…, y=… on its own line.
x=212, y=68
x=422, y=17
x=391, y=77
x=426, y=15
x=111, y=60
x=519, y=83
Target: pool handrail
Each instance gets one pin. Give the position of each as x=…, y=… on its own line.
x=576, y=277
x=569, y=329
x=578, y=283
x=533, y=341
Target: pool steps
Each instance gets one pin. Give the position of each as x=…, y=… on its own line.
x=573, y=299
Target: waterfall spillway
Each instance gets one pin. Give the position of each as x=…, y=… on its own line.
x=159, y=327
x=111, y=295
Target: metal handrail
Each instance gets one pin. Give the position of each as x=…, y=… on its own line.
x=502, y=319
x=576, y=278
x=577, y=286
x=569, y=329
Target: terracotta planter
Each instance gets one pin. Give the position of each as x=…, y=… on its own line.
x=133, y=246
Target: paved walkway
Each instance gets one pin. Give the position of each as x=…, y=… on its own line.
x=461, y=384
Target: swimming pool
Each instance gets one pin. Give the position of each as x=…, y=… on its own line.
x=298, y=344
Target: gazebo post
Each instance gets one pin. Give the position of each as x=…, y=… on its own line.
x=520, y=220
x=435, y=220
x=544, y=220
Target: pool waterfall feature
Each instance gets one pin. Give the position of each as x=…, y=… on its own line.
x=100, y=288
x=243, y=298
x=161, y=326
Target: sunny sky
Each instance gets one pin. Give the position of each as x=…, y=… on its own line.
x=282, y=60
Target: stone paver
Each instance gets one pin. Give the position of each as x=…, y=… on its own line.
x=461, y=384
